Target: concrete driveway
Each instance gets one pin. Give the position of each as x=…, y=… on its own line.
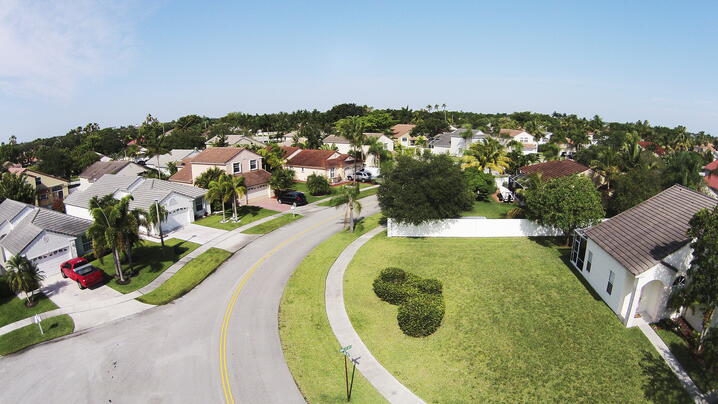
x=196, y=233
x=271, y=203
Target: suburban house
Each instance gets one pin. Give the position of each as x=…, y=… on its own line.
x=530, y=145
x=235, y=141
x=48, y=188
x=235, y=161
x=184, y=203
x=634, y=259
x=652, y=147
x=710, y=177
x=453, y=143
x=99, y=168
x=45, y=237
x=343, y=146
x=337, y=167
x=402, y=134
x=176, y=156
x=548, y=170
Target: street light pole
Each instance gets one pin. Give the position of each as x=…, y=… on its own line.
x=159, y=222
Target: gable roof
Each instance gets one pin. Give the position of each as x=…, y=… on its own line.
x=554, y=169
x=235, y=139
x=217, y=155
x=37, y=221
x=642, y=236
x=17, y=169
x=255, y=177
x=100, y=168
x=711, y=166
x=651, y=146
x=289, y=150
x=144, y=191
x=335, y=139
x=174, y=156
x=323, y=159
x=184, y=174
x=512, y=132
x=10, y=208
x=401, y=129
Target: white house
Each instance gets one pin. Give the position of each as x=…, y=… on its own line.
x=453, y=143
x=176, y=156
x=100, y=168
x=44, y=236
x=183, y=202
x=343, y=146
x=636, y=258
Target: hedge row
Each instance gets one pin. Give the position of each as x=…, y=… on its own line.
x=420, y=301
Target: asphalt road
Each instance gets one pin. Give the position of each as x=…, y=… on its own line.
x=173, y=353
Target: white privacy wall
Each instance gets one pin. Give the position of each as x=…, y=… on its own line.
x=472, y=227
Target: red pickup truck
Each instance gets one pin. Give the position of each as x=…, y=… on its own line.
x=79, y=270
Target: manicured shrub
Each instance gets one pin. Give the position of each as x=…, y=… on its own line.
x=421, y=315
x=429, y=286
x=393, y=274
x=318, y=185
x=391, y=292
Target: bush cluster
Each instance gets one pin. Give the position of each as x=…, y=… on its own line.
x=420, y=301
x=318, y=185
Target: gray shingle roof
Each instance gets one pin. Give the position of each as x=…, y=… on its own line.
x=444, y=139
x=100, y=168
x=144, y=193
x=10, y=208
x=642, y=236
x=174, y=155
x=36, y=222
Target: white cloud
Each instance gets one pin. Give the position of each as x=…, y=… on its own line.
x=47, y=48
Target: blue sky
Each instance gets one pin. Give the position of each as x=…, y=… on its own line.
x=69, y=63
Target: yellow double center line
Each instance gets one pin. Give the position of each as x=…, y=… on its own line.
x=223, y=369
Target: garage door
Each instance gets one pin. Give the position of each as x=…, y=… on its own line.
x=51, y=261
x=175, y=218
x=257, y=192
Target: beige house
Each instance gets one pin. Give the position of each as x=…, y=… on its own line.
x=402, y=134
x=48, y=187
x=337, y=167
x=235, y=161
x=344, y=146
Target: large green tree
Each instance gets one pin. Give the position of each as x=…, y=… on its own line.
x=425, y=188
x=701, y=288
x=684, y=168
x=281, y=180
x=481, y=184
x=15, y=187
x=565, y=203
x=634, y=187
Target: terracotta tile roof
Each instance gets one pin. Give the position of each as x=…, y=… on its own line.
x=217, y=155
x=711, y=166
x=184, y=174
x=554, y=169
x=711, y=181
x=256, y=177
x=402, y=129
x=642, y=236
x=511, y=132
x=653, y=147
x=288, y=150
x=320, y=159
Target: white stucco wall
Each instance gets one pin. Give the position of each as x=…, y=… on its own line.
x=78, y=212
x=472, y=227
x=46, y=242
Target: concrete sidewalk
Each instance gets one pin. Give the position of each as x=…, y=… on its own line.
x=383, y=381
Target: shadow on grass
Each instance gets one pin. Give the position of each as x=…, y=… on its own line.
x=661, y=385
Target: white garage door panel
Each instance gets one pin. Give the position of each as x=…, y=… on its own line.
x=257, y=193
x=51, y=262
x=175, y=219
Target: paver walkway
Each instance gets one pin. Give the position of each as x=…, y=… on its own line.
x=672, y=362
x=383, y=381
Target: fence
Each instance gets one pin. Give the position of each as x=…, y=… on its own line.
x=472, y=227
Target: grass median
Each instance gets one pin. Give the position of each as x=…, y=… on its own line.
x=24, y=337
x=362, y=194
x=274, y=224
x=187, y=277
x=310, y=347
x=13, y=308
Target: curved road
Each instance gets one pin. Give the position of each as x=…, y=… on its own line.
x=219, y=343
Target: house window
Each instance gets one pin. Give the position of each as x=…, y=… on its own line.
x=198, y=204
x=237, y=168
x=86, y=244
x=331, y=173
x=38, y=180
x=588, y=261
x=57, y=191
x=43, y=197
x=252, y=164
x=302, y=169
x=611, y=278
x=578, y=250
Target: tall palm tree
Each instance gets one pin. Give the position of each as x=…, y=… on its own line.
x=607, y=165
x=114, y=227
x=352, y=128
x=376, y=149
x=536, y=128
x=236, y=188
x=218, y=191
x=347, y=195
x=23, y=276
x=154, y=216
x=486, y=155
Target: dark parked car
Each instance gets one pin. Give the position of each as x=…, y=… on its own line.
x=293, y=197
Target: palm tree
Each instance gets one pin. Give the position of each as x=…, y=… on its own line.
x=467, y=134
x=236, y=188
x=155, y=216
x=536, y=128
x=376, y=149
x=114, y=227
x=347, y=195
x=23, y=276
x=218, y=191
x=352, y=128
x=607, y=165
x=208, y=176
x=486, y=155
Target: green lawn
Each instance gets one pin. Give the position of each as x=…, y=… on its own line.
x=302, y=187
x=310, y=348
x=53, y=327
x=273, y=224
x=679, y=347
x=362, y=194
x=187, y=277
x=149, y=261
x=489, y=209
x=247, y=214
x=519, y=327
x=13, y=308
